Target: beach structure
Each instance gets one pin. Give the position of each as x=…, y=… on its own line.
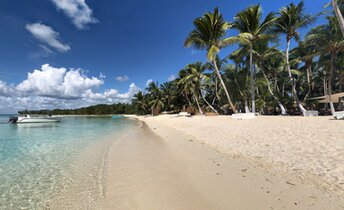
x=337, y=98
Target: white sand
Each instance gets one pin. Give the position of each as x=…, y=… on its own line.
x=176, y=169
x=312, y=147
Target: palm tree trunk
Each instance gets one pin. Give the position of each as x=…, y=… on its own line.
x=216, y=93
x=224, y=87
x=152, y=110
x=338, y=15
x=332, y=69
x=283, y=110
x=252, y=81
x=214, y=99
x=247, y=110
x=293, y=83
x=340, y=105
x=199, y=108
x=187, y=98
x=309, y=79
x=325, y=91
x=205, y=100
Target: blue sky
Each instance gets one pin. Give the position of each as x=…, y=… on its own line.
x=116, y=46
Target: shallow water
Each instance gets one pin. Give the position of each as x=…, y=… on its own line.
x=42, y=162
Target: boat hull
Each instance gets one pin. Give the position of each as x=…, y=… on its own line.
x=38, y=120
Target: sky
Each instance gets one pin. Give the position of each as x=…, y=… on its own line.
x=75, y=53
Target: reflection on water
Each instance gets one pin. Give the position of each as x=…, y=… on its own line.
x=36, y=125
x=37, y=159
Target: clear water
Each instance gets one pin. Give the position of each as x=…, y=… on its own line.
x=38, y=162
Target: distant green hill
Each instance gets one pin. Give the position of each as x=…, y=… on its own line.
x=100, y=109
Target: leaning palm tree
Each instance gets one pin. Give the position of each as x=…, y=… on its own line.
x=190, y=84
x=291, y=19
x=339, y=14
x=330, y=41
x=208, y=34
x=216, y=87
x=252, y=29
x=267, y=57
x=194, y=81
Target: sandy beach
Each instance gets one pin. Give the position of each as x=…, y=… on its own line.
x=200, y=162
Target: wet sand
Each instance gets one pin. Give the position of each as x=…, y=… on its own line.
x=158, y=167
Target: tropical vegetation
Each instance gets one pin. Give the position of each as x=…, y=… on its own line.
x=273, y=70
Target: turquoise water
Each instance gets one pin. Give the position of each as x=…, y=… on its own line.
x=38, y=162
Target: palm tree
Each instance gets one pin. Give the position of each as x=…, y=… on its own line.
x=140, y=102
x=339, y=15
x=216, y=86
x=267, y=58
x=237, y=77
x=305, y=52
x=208, y=34
x=252, y=29
x=155, y=98
x=330, y=41
x=194, y=81
x=168, y=91
x=291, y=18
x=190, y=84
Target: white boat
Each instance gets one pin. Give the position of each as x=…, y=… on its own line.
x=34, y=119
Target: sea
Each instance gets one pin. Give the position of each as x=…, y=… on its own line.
x=56, y=165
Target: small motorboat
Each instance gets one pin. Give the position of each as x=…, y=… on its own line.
x=34, y=119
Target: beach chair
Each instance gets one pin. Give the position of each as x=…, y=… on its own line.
x=243, y=116
x=311, y=113
x=183, y=114
x=339, y=115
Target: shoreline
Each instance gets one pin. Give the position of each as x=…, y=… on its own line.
x=84, y=184
x=160, y=167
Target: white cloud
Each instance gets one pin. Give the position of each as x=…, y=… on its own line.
x=171, y=78
x=5, y=89
x=77, y=10
x=58, y=82
x=51, y=88
x=148, y=82
x=123, y=78
x=133, y=89
x=111, y=93
x=46, y=35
